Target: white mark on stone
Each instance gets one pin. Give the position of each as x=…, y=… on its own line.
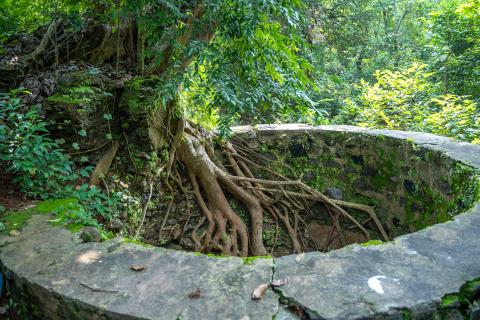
x=412, y=252
x=62, y=282
x=374, y=284
x=88, y=257
x=300, y=257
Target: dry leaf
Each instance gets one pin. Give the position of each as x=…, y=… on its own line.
x=195, y=294
x=279, y=283
x=137, y=267
x=259, y=291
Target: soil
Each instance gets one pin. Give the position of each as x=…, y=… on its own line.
x=10, y=195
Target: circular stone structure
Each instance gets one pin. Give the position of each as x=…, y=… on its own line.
x=433, y=273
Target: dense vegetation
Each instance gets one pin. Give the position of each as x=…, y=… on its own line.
x=395, y=64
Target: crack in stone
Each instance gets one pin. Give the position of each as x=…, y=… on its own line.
x=288, y=301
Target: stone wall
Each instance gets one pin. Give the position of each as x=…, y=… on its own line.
x=412, y=186
x=429, y=274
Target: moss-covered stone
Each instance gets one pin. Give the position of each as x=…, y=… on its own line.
x=411, y=186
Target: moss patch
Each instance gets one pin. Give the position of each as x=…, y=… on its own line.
x=450, y=300
x=55, y=206
x=372, y=243
x=129, y=240
x=251, y=260
x=61, y=208
x=16, y=220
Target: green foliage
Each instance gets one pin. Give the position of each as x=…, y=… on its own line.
x=455, y=37
x=28, y=15
x=29, y=152
x=227, y=60
x=408, y=100
x=43, y=171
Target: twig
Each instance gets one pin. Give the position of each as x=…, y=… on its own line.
x=169, y=208
x=97, y=289
x=131, y=159
x=144, y=211
x=91, y=150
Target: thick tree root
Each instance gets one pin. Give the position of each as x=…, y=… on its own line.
x=282, y=199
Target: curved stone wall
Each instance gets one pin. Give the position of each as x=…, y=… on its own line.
x=430, y=274
x=412, y=185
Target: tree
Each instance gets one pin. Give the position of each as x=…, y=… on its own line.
x=455, y=29
x=230, y=58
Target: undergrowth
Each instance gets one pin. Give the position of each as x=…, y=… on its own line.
x=43, y=171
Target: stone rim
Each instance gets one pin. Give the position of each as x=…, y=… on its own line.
x=428, y=253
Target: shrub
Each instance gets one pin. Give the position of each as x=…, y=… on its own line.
x=41, y=168
x=408, y=100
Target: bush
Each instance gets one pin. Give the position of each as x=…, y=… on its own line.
x=41, y=168
x=408, y=100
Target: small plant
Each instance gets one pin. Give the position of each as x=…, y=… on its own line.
x=43, y=171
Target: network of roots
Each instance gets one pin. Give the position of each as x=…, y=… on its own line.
x=219, y=170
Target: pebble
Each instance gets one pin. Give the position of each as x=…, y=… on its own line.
x=14, y=233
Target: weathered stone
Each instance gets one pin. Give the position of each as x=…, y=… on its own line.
x=90, y=234
x=116, y=224
x=14, y=233
x=404, y=278
x=100, y=285
x=3, y=310
x=334, y=193
x=475, y=310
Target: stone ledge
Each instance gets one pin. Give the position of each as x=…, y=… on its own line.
x=407, y=277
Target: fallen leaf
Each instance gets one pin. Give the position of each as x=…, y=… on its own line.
x=137, y=267
x=279, y=282
x=259, y=291
x=195, y=294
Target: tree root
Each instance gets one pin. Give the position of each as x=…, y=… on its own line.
x=215, y=178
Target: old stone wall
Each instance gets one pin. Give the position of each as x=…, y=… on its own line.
x=411, y=186
x=433, y=273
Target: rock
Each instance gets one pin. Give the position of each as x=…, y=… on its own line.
x=309, y=176
x=116, y=224
x=172, y=221
x=187, y=244
x=112, y=290
x=454, y=315
x=334, y=193
x=2, y=227
x=14, y=233
x=475, y=310
x=90, y=234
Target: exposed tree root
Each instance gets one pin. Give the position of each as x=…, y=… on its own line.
x=282, y=199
